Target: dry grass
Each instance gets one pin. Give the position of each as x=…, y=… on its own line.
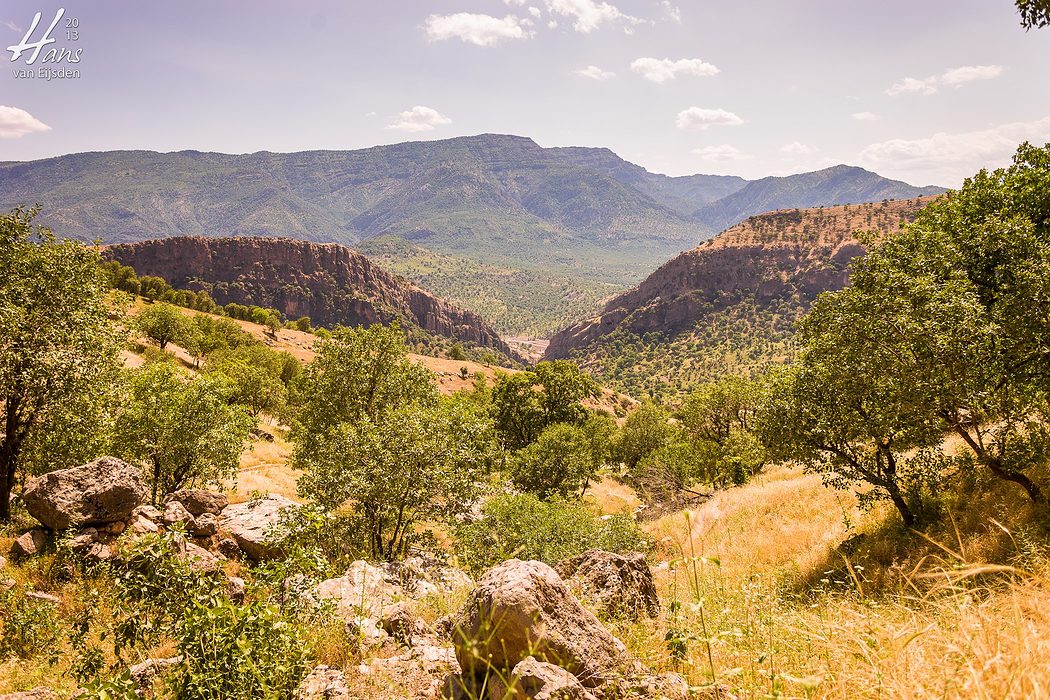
x=770, y=609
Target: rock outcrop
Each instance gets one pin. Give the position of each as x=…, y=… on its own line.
x=784, y=257
x=620, y=584
x=199, y=501
x=249, y=523
x=523, y=608
x=330, y=283
x=97, y=493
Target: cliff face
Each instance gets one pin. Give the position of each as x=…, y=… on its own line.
x=330, y=283
x=786, y=256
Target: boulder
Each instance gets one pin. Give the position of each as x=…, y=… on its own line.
x=146, y=672
x=205, y=525
x=362, y=591
x=620, y=584
x=29, y=544
x=99, y=492
x=44, y=597
x=399, y=622
x=228, y=547
x=3, y=562
x=323, y=683
x=235, y=588
x=538, y=680
x=199, y=501
x=199, y=558
x=249, y=523
x=523, y=608
x=421, y=576
x=666, y=686
x=176, y=514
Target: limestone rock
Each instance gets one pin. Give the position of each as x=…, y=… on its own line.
x=199, y=501
x=362, y=591
x=34, y=694
x=176, y=514
x=144, y=673
x=205, y=525
x=249, y=523
x=98, y=492
x=29, y=544
x=323, y=683
x=621, y=584
x=523, y=608
x=538, y=680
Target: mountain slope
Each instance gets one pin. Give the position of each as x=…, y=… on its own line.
x=729, y=304
x=563, y=216
x=327, y=282
x=841, y=184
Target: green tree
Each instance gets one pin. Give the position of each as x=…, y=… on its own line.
x=372, y=433
x=415, y=462
x=260, y=375
x=59, y=351
x=183, y=431
x=525, y=403
x=644, y=431
x=559, y=463
x=1034, y=13
x=164, y=323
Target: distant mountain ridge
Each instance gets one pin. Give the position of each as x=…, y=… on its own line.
x=728, y=305
x=330, y=283
x=570, y=215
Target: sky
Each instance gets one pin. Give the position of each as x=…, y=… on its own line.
x=927, y=91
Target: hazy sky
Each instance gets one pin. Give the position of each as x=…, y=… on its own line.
x=926, y=90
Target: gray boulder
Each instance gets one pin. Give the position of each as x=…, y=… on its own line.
x=250, y=522
x=363, y=591
x=538, y=680
x=96, y=493
x=199, y=501
x=29, y=544
x=620, y=584
x=323, y=683
x=523, y=608
x=34, y=694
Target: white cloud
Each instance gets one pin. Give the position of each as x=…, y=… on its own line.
x=419, y=118
x=967, y=74
x=595, y=73
x=660, y=70
x=673, y=11
x=553, y=24
x=535, y=12
x=865, y=116
x=588, y=15
x=721, y=154
x=952, y=76
x=477, y=29
x=12, y=26
x=697, y=118
x=15, y=123
x=796, y=148
x=951, y=157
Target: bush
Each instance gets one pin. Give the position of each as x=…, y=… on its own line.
x=526, y=527
x=232, y=651
x=559, y=463
x=30, y=627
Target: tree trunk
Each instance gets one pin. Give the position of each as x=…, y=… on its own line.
x=996, y=466
x=902, y=506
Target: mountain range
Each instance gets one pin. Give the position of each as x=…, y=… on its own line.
x=569, y=225
x=729, y=305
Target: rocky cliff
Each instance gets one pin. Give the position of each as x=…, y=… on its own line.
x=330, y=283
x=780, y=260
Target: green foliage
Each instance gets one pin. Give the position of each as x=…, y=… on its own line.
x=373, y=433
x=260, y=376
x=526, y=403
x=29, y=627
x=211, y=334
x=527, y=527
x=59, y=351
x=164, y=323
x=182, y=430
x=238, y=651
x=646, y=430
x=1034, y=13
x=559, y=463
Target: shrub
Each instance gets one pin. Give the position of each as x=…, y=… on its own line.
x=559, y=463
x=30, y=627
x=232, y=651
x=526, y=527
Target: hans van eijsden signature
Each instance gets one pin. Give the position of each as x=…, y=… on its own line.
x=54, y=55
